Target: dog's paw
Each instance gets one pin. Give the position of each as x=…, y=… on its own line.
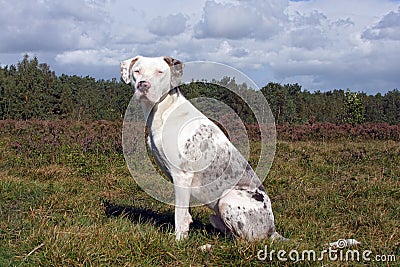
x=181, y=236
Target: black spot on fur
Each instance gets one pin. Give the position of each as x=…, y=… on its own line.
x=240, y=225
x=257, y=196
x=261, y=187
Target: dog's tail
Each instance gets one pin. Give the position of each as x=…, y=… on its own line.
x=277, y=237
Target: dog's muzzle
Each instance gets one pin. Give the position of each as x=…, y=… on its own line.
x=142, y=90
x=143, y=86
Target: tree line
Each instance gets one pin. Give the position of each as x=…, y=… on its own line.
x=292, y=105
x=30, y=90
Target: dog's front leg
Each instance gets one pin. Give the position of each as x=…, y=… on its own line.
x=182, y=215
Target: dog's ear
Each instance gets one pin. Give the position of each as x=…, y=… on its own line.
x=176, y=67
x=126, y=69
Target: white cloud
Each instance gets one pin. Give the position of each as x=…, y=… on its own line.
x=325, y=49
x=226, y=48
x=89, y=57
x=250, y=19
x=131, y=37
x=50, y=26
x=315, y=18
x=168, y=26
x=387, y=28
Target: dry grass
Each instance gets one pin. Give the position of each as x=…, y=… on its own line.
x=55, y=214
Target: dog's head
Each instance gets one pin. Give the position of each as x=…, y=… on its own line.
x=151, y=78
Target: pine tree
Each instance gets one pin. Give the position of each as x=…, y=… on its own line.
x=354, y=108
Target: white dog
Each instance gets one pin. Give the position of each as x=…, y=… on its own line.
x=195, y=154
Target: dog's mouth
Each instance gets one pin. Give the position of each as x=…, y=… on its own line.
x=141, y=91
x=141, y=96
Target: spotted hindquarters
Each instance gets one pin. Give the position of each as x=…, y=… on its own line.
x=247, y=214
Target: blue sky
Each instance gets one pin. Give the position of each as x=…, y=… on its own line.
x=320, y=44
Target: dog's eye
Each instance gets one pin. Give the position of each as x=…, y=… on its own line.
x=160, y=72
x=136, y=71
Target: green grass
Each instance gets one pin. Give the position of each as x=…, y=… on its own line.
x=84, y=209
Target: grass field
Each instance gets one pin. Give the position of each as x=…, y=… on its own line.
x=74, y=203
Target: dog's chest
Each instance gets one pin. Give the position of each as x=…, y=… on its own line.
x=170, y=129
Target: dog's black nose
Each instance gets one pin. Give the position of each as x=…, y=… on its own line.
x=143, y=85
